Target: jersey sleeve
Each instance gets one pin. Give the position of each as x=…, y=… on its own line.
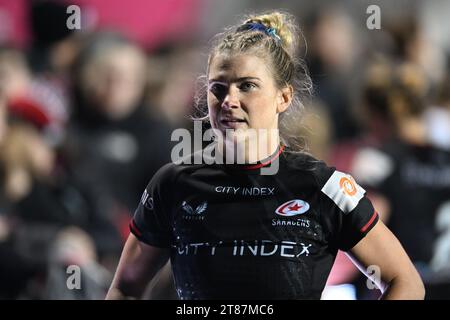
x=352, y=213
x=151, y=220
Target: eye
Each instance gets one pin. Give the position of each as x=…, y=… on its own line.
x=218, y=89
x=247, y=86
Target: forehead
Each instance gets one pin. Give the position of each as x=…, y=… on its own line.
x=238, y=66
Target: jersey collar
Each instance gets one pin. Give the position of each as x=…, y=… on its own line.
x=255, y=168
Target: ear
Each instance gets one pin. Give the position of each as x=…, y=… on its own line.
x=284, y=98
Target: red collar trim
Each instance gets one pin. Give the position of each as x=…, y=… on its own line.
x=266, y=162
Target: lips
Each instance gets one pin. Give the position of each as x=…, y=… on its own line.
x=232, y=122
x=230, y=118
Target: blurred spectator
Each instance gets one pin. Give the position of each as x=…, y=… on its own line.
x=14, y=73
x=437, y=117
x=115, y=146
x=54, y=45
x=43, y=200
x=73, y=247
x=173, y=71
x=332, y=60
x=412, y=45
x=117, y=142
x=414, y=178
x=33, y=99
x=372, y=111
x=52, y=53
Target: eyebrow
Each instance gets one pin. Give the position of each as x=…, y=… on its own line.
x=221, y=79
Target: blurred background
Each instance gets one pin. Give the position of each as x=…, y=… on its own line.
x=86, y=117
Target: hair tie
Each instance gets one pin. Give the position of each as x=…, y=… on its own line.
x=252, y=26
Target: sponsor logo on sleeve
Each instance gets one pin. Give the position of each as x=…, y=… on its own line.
x=348, y=185
x=342, y=189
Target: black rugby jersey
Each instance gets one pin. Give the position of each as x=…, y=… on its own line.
x=237, y=234
x=417, y=186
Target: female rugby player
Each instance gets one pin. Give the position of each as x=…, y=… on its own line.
x=234, y=231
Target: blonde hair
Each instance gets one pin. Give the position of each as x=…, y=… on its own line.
x=287, y=67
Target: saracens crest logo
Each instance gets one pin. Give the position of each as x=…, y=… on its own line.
x=292, y=208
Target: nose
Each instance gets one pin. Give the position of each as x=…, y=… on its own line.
x=231, y=99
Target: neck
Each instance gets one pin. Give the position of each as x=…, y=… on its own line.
x=249, y=151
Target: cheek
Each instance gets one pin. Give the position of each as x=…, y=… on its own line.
x=211, y=100
x=213, y=108
x=263, y=110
